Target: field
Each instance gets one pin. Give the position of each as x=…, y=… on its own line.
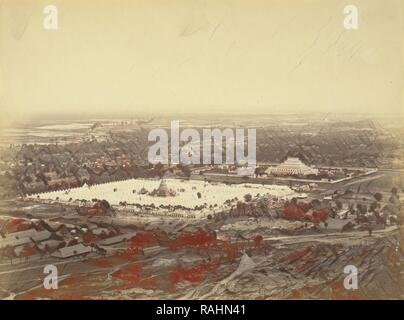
x=211, y=194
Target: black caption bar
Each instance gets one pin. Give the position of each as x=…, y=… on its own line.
x=186, y=309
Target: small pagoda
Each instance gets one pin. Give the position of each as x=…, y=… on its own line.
x=163, y=190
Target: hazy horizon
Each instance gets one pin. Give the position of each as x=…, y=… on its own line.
x=200, y=57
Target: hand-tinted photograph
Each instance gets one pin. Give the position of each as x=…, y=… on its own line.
x=201, y=150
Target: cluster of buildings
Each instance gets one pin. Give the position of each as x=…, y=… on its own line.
x=292, y=166
x=33, y=239
x=342, y=143
x=163, y=190
x=37, y=168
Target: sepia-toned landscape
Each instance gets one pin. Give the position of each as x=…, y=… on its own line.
x=312, y=210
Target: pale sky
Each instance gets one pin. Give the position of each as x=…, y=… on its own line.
x=169, y=56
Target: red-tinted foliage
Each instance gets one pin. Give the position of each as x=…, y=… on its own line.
x=8, y=252
x=258, y=240
x=131, y=273
x=318, y=216
x=140, y=240
x=15, y=225
x=88, y=237
x=103, y=262
x=292, y=211
x=193, y=274
x=27, y=250
x=135, y=275
x=304, y=206
x=128, y=253
x=231, y=249
x=200, y=238
x=301, y=211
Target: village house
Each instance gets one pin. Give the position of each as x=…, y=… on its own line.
x=117, y=239
x=83, y=176
x=22, y=237
x=71, y=251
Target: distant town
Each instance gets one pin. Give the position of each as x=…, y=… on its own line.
x=82, y=196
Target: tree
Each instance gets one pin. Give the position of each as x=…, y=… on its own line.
x=27, y=251
x=105, y=204
x=247, y=197
x=378, y=196
x=362, y=208
x=259, y=171
x=373, y=207
x=292, y=211
x=315, y=203
x=185, y=170
x=348, y=191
